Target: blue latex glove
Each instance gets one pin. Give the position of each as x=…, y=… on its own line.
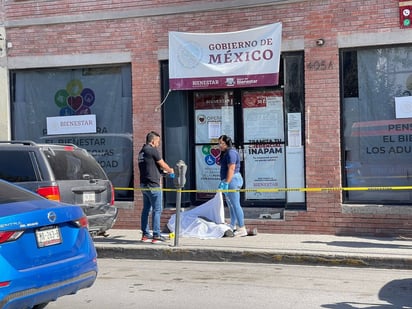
x=224, y=185
x=171, y=175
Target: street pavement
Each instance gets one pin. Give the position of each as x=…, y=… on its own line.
x=303, y=249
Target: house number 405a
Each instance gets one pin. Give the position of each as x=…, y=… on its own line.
x=320, y=65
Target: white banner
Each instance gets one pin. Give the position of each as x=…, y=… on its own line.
x=247, y=58
x=71, y=124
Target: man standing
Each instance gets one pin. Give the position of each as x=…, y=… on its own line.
x=150, y=165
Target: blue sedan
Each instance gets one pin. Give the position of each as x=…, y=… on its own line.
x=45, y=249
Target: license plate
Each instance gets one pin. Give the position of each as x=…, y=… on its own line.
x=89, y=197
x=48, y=236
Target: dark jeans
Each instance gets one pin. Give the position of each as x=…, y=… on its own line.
x=152, y=200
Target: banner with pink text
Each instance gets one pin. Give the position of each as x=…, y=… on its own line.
x=248, y=58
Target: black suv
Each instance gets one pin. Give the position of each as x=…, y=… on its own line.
x=64, y=173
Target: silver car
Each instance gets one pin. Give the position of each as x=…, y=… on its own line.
x=64, y=173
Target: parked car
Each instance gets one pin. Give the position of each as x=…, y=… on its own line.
x=64, y=173
x=46, y=250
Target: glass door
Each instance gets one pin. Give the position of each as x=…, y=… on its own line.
x=214, y=116
x=263, y=145
x=255, y=121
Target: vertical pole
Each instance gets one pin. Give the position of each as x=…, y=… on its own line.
x=179, y=181
x=177, y=223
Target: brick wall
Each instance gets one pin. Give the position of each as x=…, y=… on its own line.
x=141, y=28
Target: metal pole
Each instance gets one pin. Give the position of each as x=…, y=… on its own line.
x=177, y=223
x=179, y=183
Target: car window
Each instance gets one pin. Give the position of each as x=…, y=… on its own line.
x=16, y=166
x=11, y=194
x=70, y=164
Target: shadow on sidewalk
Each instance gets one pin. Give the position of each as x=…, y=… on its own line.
x=118, y=240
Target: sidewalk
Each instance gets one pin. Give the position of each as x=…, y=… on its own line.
x=264, y=248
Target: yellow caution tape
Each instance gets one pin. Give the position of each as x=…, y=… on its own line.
x=267, y=190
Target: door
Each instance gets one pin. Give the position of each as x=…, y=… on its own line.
x=263, y=145
x=255, y=121
x=214, y=116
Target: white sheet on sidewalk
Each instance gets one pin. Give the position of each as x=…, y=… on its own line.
x=206, y=221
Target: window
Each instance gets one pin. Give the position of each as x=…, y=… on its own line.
x=377, y=123
x=13, y=194
x=175, y=135
x=104, y=91
x=189, y=136
x=73, y=165
x=16, y=166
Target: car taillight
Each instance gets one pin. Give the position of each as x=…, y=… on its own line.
x=68, y=148
x=51, y=193
x=112, y=199
x=82, y=222
x=4, y=284
x=9, y=236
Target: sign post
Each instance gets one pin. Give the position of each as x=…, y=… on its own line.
x=179, y=181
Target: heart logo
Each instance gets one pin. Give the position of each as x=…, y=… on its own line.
x=201, y=118
x=215, y=152
x=75, y=102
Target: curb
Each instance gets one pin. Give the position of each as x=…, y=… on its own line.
x=247, y=256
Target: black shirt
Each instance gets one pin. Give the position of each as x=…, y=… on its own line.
x=149, y=169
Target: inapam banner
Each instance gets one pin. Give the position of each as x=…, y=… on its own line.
x=248, y=58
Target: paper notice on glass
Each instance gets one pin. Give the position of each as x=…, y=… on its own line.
x=264, y=169
x=227, y=121
x=215, y=129
x=294, y=130
x=264, y=121
x=403, y=107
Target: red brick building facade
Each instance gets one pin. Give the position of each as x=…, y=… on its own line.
x=55, y=34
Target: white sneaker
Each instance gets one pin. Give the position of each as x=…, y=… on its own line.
x=241, y=232
x=234, y=228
